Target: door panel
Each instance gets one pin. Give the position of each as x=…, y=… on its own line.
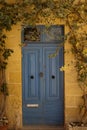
x=53, y=105
x=42, y=86
x=32, y=69
x=32, y=108
x=51, y=74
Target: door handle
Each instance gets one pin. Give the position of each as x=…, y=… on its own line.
x=32, y=77
x=53, y=77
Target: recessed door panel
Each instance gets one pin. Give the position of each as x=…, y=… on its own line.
x=51, y=74
x=31, y=69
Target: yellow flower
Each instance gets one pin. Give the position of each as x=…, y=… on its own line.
x=85, y=51
x=62, y=68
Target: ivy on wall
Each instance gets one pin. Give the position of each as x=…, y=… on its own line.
x=72, y=12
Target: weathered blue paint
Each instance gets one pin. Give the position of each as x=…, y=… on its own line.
x=42, y=85
x=42, y=79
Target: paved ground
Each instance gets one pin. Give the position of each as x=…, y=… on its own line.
x=43, y=128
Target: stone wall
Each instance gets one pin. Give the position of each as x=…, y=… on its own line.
x=72, y=92
x=14, y=77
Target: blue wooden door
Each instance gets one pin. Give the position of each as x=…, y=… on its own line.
x=53, y=90
x=42, y=85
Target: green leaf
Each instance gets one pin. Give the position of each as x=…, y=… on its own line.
x=4, y=89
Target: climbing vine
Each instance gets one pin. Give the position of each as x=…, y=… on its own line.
x=29, y=12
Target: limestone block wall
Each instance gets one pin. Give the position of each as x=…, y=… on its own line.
x=14, y=80
x=72, y=92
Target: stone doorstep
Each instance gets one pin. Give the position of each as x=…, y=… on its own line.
x=77, y=128
x=42, y=128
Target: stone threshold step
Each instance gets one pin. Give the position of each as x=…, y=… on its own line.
x=42, y=128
